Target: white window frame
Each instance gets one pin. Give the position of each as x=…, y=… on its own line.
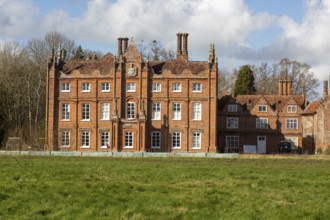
x=155, y=139
x=85, y=87
x=197, y=87
x=232, y=122
x=130, y=110
x=232, y=108
x=197, y=111
x=232, y=142
x=176, y=111
x=65, y=87
x=65, y=139
x=291, y=123
x=65, y=112
x=176, y=87
x=156, y=87
x=262, y=123
x=85, y=139
x=128, y=139
x=105, y=87
x=292, y=108
x=260, y=108
x=131, y=87
x=105, y=111
x=156, y=111
x=105, y=139
x=176, y=140
x=85, y=112
x=196, y=140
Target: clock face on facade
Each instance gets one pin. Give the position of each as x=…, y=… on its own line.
x=132, y=71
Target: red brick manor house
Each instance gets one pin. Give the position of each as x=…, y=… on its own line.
x=123, y=103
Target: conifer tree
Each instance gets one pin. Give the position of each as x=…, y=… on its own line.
x=244, y=84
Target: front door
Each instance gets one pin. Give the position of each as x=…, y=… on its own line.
x=261, y=144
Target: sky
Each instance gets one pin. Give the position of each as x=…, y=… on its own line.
x=243, y=31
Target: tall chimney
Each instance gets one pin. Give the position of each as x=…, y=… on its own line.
x=280, y=88
x=284, y=86
x=179, y=44
x=185, y=45
x=289, y=86
x=325, y=88
x=120, y=46
x=125, y=44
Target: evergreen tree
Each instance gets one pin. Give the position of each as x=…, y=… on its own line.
x=244, y=84
x=78, y=54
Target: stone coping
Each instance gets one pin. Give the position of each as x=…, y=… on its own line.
x=121, y=154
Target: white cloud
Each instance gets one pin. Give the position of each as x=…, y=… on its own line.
x=226, y=22
x=307, y=41
x=16, y=18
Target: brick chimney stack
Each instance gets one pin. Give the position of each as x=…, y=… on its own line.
x=185, y=46
x=120, y=46
x=125, y=44
x=284, y=87
x=179, y=45
x=280, y=87
x=289, y=87
x=325, y=88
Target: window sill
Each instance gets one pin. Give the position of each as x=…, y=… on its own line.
x=105, y=90
x=175, y=148
x=65, y=120
x=155, y=147
x=65, y=91
x=86, y=120
x=86, y=91
x=128, y=147
x=84, y=147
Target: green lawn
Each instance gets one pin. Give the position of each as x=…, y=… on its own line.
x=33, y=187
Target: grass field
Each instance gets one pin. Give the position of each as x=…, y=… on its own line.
x=33, y=187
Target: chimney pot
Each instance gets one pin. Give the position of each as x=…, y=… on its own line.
x=280, y=87
x=325, y=88
x=185, y=45
x=179, y=45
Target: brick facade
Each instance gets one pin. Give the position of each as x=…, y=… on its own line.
x=262, y=121
x=123, y=103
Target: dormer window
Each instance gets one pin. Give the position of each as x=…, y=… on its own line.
x=232, y=108
x=292, y=108
x=262, y=108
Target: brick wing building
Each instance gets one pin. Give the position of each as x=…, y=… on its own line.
x=261, y=120
x=123, y=103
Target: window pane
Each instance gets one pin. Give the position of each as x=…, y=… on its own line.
x=105, y=111
x=196, y=140
x=197, y=111
x=176, y=140
x=176, y=111
x=155, y=139
x=105, y=139
x=130, y=110
x=155, y=111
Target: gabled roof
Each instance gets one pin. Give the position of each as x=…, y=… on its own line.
x=104, y=65
x=178, y=65
x=311, y=108
x=274, y=101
